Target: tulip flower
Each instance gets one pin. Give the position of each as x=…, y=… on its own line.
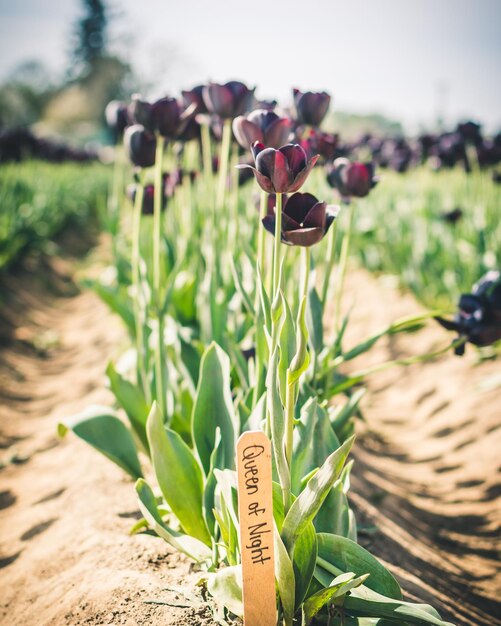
x=263, y=126
x=311, y=107
x=229, y=100
x=318, y=142
x=148, y=198
x=166, y=116
x=116, y=116
x=280, y=171
x=352, y=179
x=478, y=319
x=305, y=220
x=140, y=145
x=195, y=96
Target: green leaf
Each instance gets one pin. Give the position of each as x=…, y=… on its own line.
x=101, y=429
x=190, y=546
x=343, y=413
x=237, y=279
x=214, y=408
x=118, y=302
x=304, y=561
x=178, y=475
x=284, y=575
x=301, y=359
x=287, y=343
x=277, y=422
x=225, y=587
x=314, y=315
x=339, y=587
x=309, y=501
x=348, y=556
x=216, y=462
x=366, y=602
x=131, y=398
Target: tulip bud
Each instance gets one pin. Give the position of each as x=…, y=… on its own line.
x=351, y=179
x=478, y=319
x=311, y=107
x=229, y=100
x=280, y=171
x=116, y=117
x=263, y=126
x=305, y=220
x=140, y=146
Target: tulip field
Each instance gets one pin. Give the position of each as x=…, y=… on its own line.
x=238, y=273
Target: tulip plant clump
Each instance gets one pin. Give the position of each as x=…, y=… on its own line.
x=233, y=330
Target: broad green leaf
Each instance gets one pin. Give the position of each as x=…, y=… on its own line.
x=364, y=601
x=237, y=278
x=314, y=315
x=304, y=561
x=284, y=575
x=348, y=556
x=225, y=587
x=131, y=398
x=101, y=429
x=339, y=587
x=190, y=546
x=178, y=475
x=214, y=408
x=309, y=501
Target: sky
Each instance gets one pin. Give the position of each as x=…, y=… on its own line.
x=408, y=59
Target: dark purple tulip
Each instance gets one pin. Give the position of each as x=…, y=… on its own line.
x=140, y=145
x=351, y=179
x=478, y=319
x=263, y=126
x=305, y=220
x=318, y=142
x=195, y=96
x=165, y=116
x=452, y=217
x=116, y=117
x=283, y=170
x=148, y=198
x=229, y=100
x=311, y=107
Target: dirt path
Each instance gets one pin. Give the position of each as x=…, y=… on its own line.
x=425, y=473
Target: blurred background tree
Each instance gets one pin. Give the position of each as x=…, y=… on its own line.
x=72, y=106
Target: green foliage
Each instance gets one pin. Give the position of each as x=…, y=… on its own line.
x=38, y=200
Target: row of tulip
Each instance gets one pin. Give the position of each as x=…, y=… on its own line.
x=232, y=331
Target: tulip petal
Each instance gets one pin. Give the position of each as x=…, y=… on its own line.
x=304, y=236
x=317, y=216
x=277, y=132
x=303, y=175
x=218, y=99
x=246, y=133
x=299, y=205
x=269, y=223
x=282, y=175
x=296, y=157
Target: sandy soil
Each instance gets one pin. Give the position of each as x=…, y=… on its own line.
x=425, y=484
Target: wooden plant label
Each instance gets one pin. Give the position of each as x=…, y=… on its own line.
x=255, y=510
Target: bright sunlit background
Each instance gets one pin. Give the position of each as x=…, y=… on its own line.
x=413, y=62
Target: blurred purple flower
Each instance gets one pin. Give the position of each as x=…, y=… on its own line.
x=140, y=145
x=229, y=100
x=351, y=179
x=311, y=107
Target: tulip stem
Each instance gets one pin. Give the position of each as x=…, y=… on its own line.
x=278, y=239
x=331, y=255
x=136, y=282
x=343, y=261
x=223, y=164
x=157, y=216
x=157, y=236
